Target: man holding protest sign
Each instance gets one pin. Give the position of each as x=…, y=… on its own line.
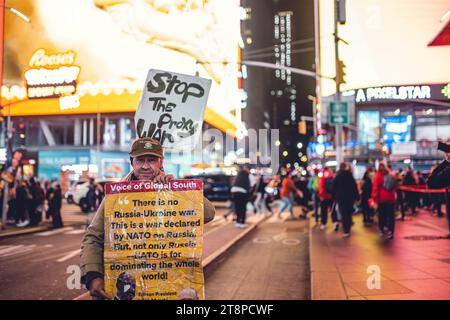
x=147, y=160
x=158, y=235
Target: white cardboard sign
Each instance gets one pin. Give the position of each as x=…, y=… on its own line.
x=171, y=108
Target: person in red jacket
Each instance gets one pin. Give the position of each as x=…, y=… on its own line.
x=326, y=197
x=384, y=191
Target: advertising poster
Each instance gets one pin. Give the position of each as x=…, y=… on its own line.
x=153, y=240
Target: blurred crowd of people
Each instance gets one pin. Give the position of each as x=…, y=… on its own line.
x=31, y=202
x=339, y=195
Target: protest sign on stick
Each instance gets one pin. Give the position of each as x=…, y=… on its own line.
x=171, y=108
x=153, y=240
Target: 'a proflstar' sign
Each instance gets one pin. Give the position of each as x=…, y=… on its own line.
x=172, y=108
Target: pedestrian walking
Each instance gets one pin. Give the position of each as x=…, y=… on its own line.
x=313, y=186
x=345, y=193
x=240, y=194
x=326, y=198
x=260, y=195
x=384, y=195
x=411, y=197
x=91, y=196
x=287, y=198
x=55, y=204
x=366, y=194
x=36, y=203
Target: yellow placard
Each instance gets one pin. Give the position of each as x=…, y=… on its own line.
x=153, y=240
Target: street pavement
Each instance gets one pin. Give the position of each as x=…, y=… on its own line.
x=34, y=266
x=44, y=265
x=270, y=263
x=414, y=265
x=271, y=259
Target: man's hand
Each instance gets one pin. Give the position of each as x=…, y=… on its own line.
x=97, y=290
x=163, y=178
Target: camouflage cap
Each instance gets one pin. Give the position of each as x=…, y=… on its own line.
x=146, y=146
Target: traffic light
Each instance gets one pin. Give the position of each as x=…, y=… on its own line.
x=340, y=72
x=302, y=127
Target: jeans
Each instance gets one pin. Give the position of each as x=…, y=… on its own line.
x=259, y=202
x=367, y=211
x=324, y=206
x=386, y=216
x=316, y=203
x=287, y=202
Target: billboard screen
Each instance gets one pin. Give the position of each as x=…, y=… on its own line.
x=115, y=43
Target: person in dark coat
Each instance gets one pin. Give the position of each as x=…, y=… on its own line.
x=240, y=192
x=23, y=198
x=411, y=198
x=345, y=192
x=91, y=196
x=366, y=194
x=54, y=206
x=36, y=202
x=440, y=178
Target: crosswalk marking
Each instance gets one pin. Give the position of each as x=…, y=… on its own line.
x=69, y=255
x=15, y=250
x=6, y=249
x=52, y=232
x=76, y=231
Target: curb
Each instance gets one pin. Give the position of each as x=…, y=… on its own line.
x=22, y=232
x=216, y=254
x=37, y=229
x=324, y=273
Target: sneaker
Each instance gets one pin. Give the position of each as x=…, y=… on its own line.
x=23, y=224
x=390, y=235
x=336, y=226
x=346, y=235
x=242, y=225
x=381, y=234
x=323, y=227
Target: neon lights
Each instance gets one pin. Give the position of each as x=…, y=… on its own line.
x=51, y=75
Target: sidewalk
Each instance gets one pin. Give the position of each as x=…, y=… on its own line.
x=415, y=265
x=71, y=216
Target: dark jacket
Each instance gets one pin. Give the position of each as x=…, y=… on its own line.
x=344, y=188
x=91, y=256
x=366, y=189
x=440, y=176
x=242, y=180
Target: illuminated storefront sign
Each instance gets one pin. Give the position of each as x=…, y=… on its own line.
x=51, y=75
x=393, y=93
x=413, y=92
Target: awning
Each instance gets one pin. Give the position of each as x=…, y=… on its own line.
x=443, y=37
x=125, y=102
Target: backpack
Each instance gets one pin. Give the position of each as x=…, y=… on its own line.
x=329, y=185
x=315, y=184
x=388, y=183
